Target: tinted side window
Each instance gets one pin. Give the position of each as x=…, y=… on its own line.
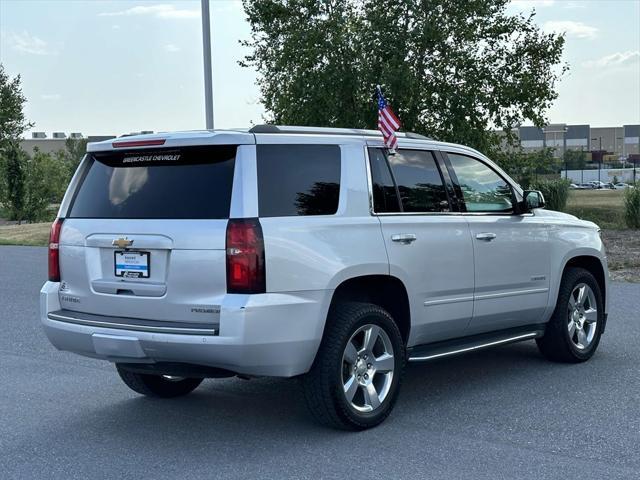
x=190, y=182
x=385, y=198
x=419, y=181
x=298, y=180
x=482, y=188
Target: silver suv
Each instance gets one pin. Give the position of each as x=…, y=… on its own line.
x=311, y=253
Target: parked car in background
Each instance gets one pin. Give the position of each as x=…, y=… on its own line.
x=610, y=186
x=598, y=184
x=622, y=186
x=586, y=186
x=312, y=253
x=573, y=186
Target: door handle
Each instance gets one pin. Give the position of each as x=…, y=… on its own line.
x=404, y=238
x=487, y=236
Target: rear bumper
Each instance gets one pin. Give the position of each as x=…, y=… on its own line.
x=273, y=334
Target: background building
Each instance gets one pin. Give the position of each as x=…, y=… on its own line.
x=56, y=141
x=605, y=141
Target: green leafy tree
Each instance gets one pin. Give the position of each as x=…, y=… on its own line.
x=14, y=173
x=575, y=159
x=13, y=123
x=45, y=182
x=74, y=150
x=451, y=70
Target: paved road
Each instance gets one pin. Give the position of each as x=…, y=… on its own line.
x=505, y=413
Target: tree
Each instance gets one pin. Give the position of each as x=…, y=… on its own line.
x=13, y=171
x=12, y=125
x=452, y=70
x=74, y=150
x=45, y=183
x=575, y=159
x=12, y=119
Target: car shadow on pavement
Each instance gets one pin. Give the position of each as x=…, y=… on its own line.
x=240, y=410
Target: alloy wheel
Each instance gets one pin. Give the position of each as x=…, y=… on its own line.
x=368, y=366
x=582, y=316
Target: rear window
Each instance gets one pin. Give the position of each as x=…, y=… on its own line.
x=298, y=180
x=190, y=182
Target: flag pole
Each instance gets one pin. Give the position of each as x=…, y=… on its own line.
x=206, y=54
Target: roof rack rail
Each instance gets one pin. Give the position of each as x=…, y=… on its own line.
x=268, y=128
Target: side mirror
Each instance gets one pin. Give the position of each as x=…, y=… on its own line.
x=533, y=199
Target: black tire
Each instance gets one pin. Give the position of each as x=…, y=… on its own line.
x=157, y=385
x=556, y=344
x=323, y=384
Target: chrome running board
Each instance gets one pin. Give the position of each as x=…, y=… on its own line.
x=423, y=353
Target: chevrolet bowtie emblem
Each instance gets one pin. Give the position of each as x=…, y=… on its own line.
x=122, y=242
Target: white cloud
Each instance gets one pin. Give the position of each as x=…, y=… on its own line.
x=26, y=43
x=617, y=59
x=158, y=11
x=171, y=48
x=571, y=28
x=50, y=96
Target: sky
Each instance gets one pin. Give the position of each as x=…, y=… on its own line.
x=112, y=67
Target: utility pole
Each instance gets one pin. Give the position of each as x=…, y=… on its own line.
x=206, y=54
x=600, y=156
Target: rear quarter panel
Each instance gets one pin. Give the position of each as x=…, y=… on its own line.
x=320, y=252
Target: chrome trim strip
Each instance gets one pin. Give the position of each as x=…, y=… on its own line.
x=486, y=296
x=463, y=214
x=124, y=326
x=448, y=300
x=475, y=347
x=511, y=294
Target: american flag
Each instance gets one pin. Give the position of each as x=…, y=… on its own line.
x=388, y=123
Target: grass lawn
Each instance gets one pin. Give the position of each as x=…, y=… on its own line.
x=36, y=234
x=604, y=207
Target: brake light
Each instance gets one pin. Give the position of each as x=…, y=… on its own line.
x=139, y=143
x=54, y=250
x=245, y=256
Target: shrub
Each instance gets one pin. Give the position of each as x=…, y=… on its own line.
x=46, y=179
x=632, y=206
x=556, y=193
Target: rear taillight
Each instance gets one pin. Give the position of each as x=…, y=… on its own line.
x=245, y=256
x=54, y=255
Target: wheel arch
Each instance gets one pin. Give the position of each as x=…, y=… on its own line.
x=593, y=264
x=386, y=291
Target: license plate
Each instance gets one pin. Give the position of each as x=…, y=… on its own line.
x=131, y=264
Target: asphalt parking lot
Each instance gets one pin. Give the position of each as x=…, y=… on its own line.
x=505, y=413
